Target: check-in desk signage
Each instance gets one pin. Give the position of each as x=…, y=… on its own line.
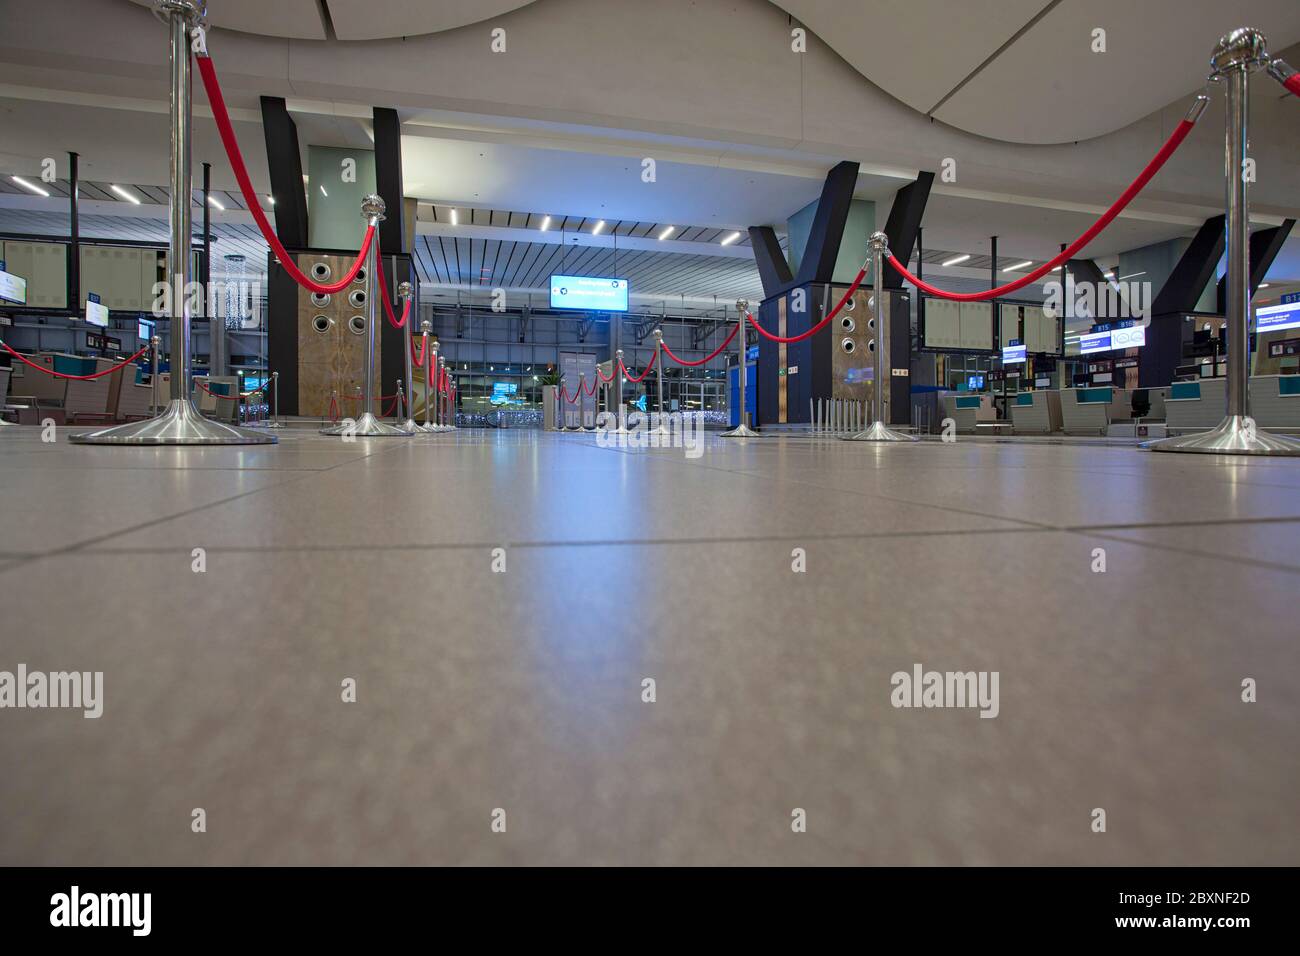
x=12, y=288
x=1013, y=354
x=1272, y=318
x=1135, y=336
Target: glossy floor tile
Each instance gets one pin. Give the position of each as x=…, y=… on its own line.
x=501, y=599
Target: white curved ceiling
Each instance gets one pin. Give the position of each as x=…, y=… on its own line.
x=351, y=19
x=1023, y=71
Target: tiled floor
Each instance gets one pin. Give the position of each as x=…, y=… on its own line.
x=522, y=690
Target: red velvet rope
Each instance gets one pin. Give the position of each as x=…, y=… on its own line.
x=592, y=390
x=628, y=374
x=857, y=281
x=388, y=306
x=1292, y=83
x=418, y=353
x=565, y=395
x=203, y=387
x=80, y=378
x=708, y=358
x=334, y=409
x=601, y=375
x=1175, y=140
x=251, y=199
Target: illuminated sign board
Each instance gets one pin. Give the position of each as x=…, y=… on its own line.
x=13, y=288
x=1272, y=318
x=96, y=314
x=1135, y=336
x=1013, y=354
x=589, y=293
x=503, y=393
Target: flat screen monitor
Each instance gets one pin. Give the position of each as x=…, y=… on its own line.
x=1042, y=383
x=145, y=330
x=1014, y=354
x=13, y=288
x=974, y=383
x=1131, y=337
x=589, y=293
x=97, y=313
x=1273, y=318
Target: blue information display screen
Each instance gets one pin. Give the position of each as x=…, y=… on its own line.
x=1012, y=354
x=1271, y=318
x=589, y=293
x=1128, y=338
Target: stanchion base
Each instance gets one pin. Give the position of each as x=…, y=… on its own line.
x=741, y=431
x=879, y=431
x=1230, y=437
x=367, y=426
x=410, y=426
x=274, y=425
x=179, y=424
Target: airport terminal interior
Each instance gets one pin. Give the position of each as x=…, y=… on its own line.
x=598, y=432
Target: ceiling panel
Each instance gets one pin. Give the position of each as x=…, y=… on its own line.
x=1049, y=87
x=367, y=20
x=915, y=50
x=299, y=19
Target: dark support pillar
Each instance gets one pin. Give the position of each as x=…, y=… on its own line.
x=1085, y=270
x=205, y=261
x=1188, y=280
x=388, y=179
x=285, y=163
x=1163, y=352
x=904, y=225
x=993, y=262
x=818, y=262
x=1264, y=247
x=773, y=269
x=74, y=248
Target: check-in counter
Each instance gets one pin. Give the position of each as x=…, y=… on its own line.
x=1037, y=412
x=969, y=410
x=128, y=396
x=1089, y=411
x=1197, y=406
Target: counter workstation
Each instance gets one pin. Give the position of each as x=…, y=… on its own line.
x=1196, y=406
x=969, y=410
x=1037, y=412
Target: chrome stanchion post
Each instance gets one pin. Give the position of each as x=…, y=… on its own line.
x=883, y=374
x=180, y=423
x=367, y=424
x=659, y=380
x=1237, y=55
x=741, y=430
x=405, y=291
x=616, y=393
x=448, y=409
x=156, y=342
x=582, y=399
x=429, y=362
x=275, y=401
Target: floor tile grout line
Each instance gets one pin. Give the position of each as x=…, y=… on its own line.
x=163, y=519
x=1178, y=549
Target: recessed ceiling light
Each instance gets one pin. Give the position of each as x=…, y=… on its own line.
x=598, y=228
x=26, y=185
x=1132, y=274
x=668, y=231
x=213, y=201
x=1018, y=266
x=956, y=259
x=124, y=194
x=271, y=199
x=324, y=193
x=455, y=220
x=546, y=223
x=1262, y=285
x=730, y=239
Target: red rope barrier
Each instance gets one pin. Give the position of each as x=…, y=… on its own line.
x=708, y=358
x=1175, y=140
x=786, y=339
x=602, y=377
x=565, y=395
x=637, y=381
x=334, y=409
x=251, y=199
x=388, y=306
x=80, y=378
x=418, y=353
x=1292, y=83
x=594, y=385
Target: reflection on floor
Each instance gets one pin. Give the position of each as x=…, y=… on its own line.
x=515, y=680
